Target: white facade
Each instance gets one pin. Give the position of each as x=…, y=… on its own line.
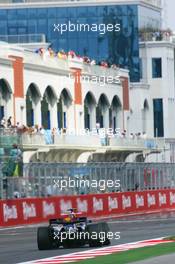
x=51, y=77
x=163, y=87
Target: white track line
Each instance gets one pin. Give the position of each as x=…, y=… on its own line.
x=72, y=257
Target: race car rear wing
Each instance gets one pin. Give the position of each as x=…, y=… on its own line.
x=62, y=221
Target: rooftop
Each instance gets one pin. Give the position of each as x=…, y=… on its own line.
x=158, y=37
x=22, y=3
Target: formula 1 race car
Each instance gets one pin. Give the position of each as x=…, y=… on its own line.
x=72, y=231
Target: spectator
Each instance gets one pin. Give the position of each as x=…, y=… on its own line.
x=53, y=135
x=97, y=127
x=132, y=136
x=18, y=125
x=144, y=135
x=93, y=62
x=9, y=122
x=71, y=54
x=3, y=123
x=41, y=130
x=16, y=194
x=51, y=52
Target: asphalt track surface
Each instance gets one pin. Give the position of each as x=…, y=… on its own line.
x=19, y=244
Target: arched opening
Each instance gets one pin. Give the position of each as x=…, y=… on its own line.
x=32, y=99
x=115, y=112
x=102, y=111
x=48, y=101
x=5, y=95
x=145, y=116
x=89, y=111
x=63, y=105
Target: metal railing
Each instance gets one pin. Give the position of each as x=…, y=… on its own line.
x=9, y=137
x=91, y=140
x=156, y=36
x=55, y=63
x=46, y=179
x=26, y=38
x=12, y=136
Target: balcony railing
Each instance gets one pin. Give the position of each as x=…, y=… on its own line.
x=91, y=141
x=156, y=36
x=26, y=38
x=9, y=137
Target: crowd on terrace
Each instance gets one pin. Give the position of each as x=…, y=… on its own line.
x=49, y=52
x=7, y=126
x=157, y=35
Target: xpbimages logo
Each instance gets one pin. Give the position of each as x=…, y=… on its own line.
x=79, y=27
x=68, y=182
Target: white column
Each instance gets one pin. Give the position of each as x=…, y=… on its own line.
x=70, y=115
x=79, y=117
x=37, y=113
x=9, y=107
x=93, y=117
x=106, y=117
x=53, y=116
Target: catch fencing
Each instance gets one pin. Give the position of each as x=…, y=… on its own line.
x=54, y=179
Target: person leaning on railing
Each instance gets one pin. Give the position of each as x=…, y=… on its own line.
x=71, y=55
x=3, y=123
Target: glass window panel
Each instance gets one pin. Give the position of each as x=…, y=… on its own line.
x=42, y=25
x=132, y=10
x=83, y=46
x=54, y=44
x=12, y=23
x=12, y=31
x=63, y=44
x=72, y=12
x=72, y=33
x=32, y=26
x=11, y=14
x=83, y=27
x=22, y=31
x=102, y=10
x=73, y=45
x=3, y=27
x=3, y=14
x=52, y=13
x=42, y=13
x=92, y=46
x=32, y=13
x=92, y=11
x=91, y=21
x=22, y=36
x=51, y=33
x=111, y=11
x=61, y=22
x=81, y=11
x=21, y=23
x=62, y=12
x=156, y=67
x=158, y=118
x=21, y=13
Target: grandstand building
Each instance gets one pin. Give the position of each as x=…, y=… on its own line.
x=56, y=93
x=37, y=21
x=135, y=100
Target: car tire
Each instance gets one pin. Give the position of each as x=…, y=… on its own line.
x=44, y=239
x=98, y=228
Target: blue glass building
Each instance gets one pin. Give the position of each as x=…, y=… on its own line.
x=121, y=48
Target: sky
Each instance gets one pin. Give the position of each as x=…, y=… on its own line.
x=170, y=14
